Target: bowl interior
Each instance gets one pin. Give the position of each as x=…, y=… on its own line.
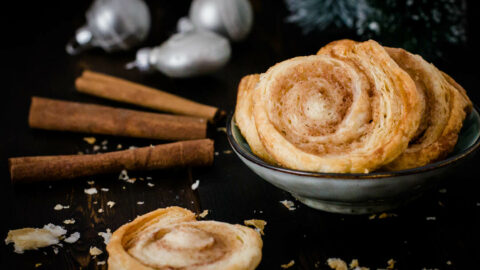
x=468, y=140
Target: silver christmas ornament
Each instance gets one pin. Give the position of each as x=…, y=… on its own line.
x=230, y=18
x=186, y=54
x=112, y=25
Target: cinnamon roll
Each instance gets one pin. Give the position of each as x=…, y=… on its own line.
x=349, y=109
x=171, y=238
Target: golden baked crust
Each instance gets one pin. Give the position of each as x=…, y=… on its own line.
x=446, y=105
x=354, y=107
x=171, y=238
x=348, y=109
x=244, y=116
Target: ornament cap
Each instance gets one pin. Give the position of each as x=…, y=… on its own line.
x=83, y=40
x=142, y=61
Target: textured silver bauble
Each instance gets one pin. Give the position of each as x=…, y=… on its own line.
x=230, y=18
x=112, y=25
x=186, y=54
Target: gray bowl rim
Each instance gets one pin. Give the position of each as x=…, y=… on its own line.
x=350, y=176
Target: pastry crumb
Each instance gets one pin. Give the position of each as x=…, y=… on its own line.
x=59, y=207
x=110, y=204
x=354, y=263
x=38, y=265
x=259, y=224
x=391, y=264
x=106, y=236
x=72, y=238
x=119, y=146
x=96, y=148
x=124, y=177
x=140, y=202
x=91, y=183
x=69, y=221
x=100, y=210
x=431, y=218
x=288, y=265
x=227, y=152
x=150, y=184
x=104, y=142
x=34, y=238
x=90, y=191
x=222, y=129
x=94, y=251
x=104, y=189
x=386, y=215
x=382, y=216
x=339, y=264
x=216, y=153
x=101, y=263
x=90, y=140
x=195, y=185
x=288, y=204
x=203, y=214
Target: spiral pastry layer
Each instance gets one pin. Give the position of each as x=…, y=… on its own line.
x=348, y=109
x=171, y=238
x=244, y=116
x=445, y=107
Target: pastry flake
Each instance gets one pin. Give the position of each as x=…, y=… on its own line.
x=34, y=238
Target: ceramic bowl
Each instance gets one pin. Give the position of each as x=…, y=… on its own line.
x=357, y=193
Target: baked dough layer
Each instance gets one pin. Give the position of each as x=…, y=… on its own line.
x=348, y=109
x=171, y=238
x=446, y=105
x=244, y=116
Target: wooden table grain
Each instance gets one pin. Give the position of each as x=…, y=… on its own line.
x=36, y=64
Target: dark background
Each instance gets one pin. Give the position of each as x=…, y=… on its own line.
x=34, y=63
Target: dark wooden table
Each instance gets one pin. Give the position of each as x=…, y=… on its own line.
x=35, y=63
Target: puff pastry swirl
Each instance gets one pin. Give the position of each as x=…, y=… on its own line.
x=171, y=238
x=348, y=109
x=445, y=107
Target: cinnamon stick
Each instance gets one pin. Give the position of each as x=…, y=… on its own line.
x=117, y=89
x=90, y=118
x=177, y=154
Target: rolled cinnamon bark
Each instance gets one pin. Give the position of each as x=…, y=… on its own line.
x=90, y=118
x=117, y=89
x=177, y=154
